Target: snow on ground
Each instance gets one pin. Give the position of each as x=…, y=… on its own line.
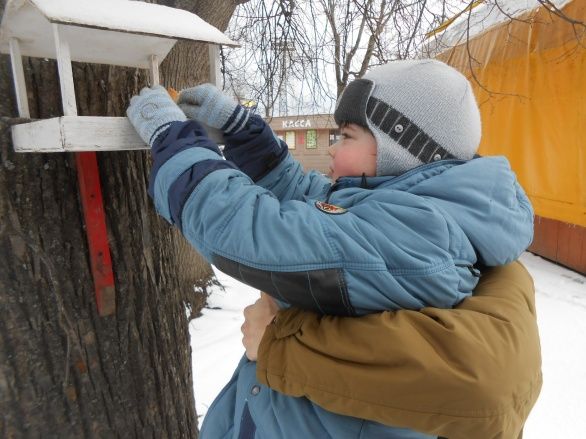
x=561, y=314
x=561, y=306
x=216, y=340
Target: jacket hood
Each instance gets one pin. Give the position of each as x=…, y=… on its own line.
x=482, y=196
x=485, y=199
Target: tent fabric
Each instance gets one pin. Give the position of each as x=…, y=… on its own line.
x=528, y=76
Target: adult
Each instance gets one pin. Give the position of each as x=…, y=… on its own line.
x=469, y=372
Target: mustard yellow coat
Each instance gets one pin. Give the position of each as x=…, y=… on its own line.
x=469, y=372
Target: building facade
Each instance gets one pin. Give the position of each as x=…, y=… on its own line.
x=308, y=138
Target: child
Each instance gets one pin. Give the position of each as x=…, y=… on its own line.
x=405, y=225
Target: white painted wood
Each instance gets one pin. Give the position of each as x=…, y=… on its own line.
x=39, y=136
x=215, y=73
x=154, y=60
x=92, y=133
x=79, y=133
x=76, y=133
x=65, y=72
x=18, y=78
x=114, y=32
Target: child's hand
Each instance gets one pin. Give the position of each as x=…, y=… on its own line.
x=152, y=111
x=206, y=103
x=256, y=319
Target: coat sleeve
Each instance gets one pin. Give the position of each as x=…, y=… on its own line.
x=261, y=155
x=243, y=228
x=473, y=371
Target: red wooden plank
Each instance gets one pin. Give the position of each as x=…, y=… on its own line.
x=537, y=244
x=575, y=256
x=95, y=220
x=545, y=238
x=549, y=232
x=582, y=263
x=560, y=242
x=569, y=245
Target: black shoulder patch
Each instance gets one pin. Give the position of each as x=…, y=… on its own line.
x=321, y=291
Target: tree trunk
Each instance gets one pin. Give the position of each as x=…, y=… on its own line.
x=65, y=372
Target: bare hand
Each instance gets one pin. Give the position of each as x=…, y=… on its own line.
x=256, y=318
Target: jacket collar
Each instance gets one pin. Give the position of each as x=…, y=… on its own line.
x=375, y=182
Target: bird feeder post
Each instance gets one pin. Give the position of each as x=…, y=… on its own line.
x=215, y=73
x=154, y=69
x=65, y=72
x=18, y=75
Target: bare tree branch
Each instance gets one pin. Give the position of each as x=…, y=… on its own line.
x=299, y=55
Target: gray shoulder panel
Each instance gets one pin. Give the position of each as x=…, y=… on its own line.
x=321, y=291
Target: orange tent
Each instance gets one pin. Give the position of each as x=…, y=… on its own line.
x=528, y=68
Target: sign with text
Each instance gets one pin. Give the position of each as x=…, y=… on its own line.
x=297, y=123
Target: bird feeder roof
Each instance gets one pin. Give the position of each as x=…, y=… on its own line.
x=116, y=32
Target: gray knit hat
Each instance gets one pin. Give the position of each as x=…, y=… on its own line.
x=419, y=111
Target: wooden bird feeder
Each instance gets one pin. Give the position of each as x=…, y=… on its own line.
x=115, y=32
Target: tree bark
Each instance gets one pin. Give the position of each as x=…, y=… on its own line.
x=65, y=372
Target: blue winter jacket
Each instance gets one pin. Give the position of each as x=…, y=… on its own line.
x=403, y=242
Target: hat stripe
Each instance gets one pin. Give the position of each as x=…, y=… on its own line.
x=404, y=131
x=378, y=114
x=370, y=106
x=429, y=151
x=418, y=143
x=390, y=120
x=409, y=134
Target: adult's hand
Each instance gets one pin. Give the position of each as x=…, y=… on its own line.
x=256, y=318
